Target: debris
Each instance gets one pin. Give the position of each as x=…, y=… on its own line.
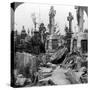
x=38, y=71
x=45, y=70
x=20, y=80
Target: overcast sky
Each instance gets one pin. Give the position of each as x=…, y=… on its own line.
x=24, y=11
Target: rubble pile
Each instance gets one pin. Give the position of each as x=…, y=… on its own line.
x=34, y=70
x=73, y=70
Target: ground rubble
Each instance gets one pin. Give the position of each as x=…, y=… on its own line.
x=70, y=71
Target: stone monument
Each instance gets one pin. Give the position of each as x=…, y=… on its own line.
x=52, y=40
x=69, y=35
x=51, y=19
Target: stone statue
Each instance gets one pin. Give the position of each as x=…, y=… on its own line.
x=51, y=19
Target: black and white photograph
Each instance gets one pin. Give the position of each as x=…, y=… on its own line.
x=49, y=44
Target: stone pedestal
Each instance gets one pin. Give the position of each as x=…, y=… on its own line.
x=52, y=43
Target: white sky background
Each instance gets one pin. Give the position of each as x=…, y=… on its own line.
x=24, y=11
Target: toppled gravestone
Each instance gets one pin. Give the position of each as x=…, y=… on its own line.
x=58, y=56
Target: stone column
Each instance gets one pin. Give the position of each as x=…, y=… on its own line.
x=51, y=19
x=70, y=18
x=51, y=24
x=81, y=20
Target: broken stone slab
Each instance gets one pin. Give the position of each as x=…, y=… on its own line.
x=58, y=54
x=45, y=70
x=51, y=65
x=58, y=77
x=73, y=77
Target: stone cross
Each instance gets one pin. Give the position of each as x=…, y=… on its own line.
x=70, y=18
